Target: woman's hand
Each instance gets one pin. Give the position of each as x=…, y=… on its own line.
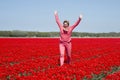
x=55, y=12
x=81, y=16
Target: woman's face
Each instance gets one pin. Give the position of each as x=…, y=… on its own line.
x=65, y=25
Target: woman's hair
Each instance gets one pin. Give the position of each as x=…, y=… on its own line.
x=66, y=22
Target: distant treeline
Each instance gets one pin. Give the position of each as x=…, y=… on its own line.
x=18, y=33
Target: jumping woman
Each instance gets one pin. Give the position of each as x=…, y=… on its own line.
x=65, y=37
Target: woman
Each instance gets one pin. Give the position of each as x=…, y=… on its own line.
x=65, y=37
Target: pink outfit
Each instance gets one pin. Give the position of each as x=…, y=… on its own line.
x=65, y=39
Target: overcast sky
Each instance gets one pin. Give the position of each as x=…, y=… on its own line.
x=38, y=15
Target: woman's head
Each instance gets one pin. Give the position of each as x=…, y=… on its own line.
x=66, y=23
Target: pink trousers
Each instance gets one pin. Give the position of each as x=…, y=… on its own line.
x=65, y=46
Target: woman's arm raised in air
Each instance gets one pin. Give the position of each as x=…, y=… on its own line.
x=57, y=19
x=77, y=22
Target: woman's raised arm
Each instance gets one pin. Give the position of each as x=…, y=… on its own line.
x=77, y=22
x=57, y=19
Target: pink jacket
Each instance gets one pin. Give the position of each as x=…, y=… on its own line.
x=65, y=36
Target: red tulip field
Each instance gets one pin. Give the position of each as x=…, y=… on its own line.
x=38, y=59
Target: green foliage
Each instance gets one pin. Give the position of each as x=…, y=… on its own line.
x=17, y=33
x=5, y=33
x=103, y=74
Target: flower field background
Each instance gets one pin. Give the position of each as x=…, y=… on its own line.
x=38, y=59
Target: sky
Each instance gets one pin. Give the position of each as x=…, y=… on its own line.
x=38, y=15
